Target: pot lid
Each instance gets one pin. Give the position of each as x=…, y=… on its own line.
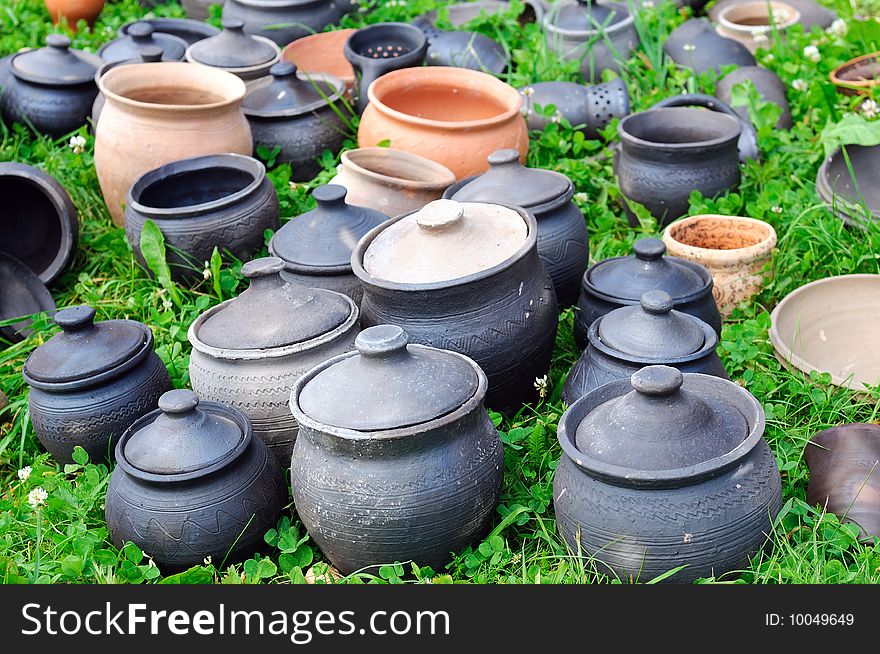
x=586, y=16
x=182, y=437
x=139, y=35
x=508, y=181
x=662, y=424
x=388, y=384
x=651, y=329
x=445, y=240
x=85, y=348
x=273, y=312
x=288, y=94
x=628, y=278
x=232, y=48
x=56, y=64
x=325, y=236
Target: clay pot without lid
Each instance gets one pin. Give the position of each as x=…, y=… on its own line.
x=22, y=293
x=89, y=383
x=857, y=76
x=454, y=116
x=41, y=227
x=390, y=180
x=223, y=201
x=643, y=458
x=171, y=106
x=733, y=248
x=621, y=281
x=756, y=23
x=74, y=11
x=629, y=338
x=245, y=56
x=316, y=246
x=588, y=108
x=830, y=326
x=768, y=84
x=285, y=21
x=811, y=13
x=844, y=462
x=148, y=54
x=397, y=458
x=192, y=483
x=191, y=31
x=141, y=34
x=855, y=201
x=322, y=53
x=248, y=351
x=695, y=44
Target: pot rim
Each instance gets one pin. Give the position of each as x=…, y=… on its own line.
x=716, y=255
x=537, y=209
x=357, y=256
x=819, y=440
x=857, y=85
x=690, y=145
x=347, y=161
x=259, y=354
x=710, y=342
x=224, y=410
x=588, y=286
x=310, y=270
x=216, y=75
x=441, y=76
x=338, y=92
x=652, y=479
x=610, y=30
x=304, y=420
x=197, y=26
x=750, y=30
x=241, y=70
x=840, y=205
x=194, y=164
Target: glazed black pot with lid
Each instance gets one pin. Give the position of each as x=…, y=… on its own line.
x=289, y=95
x=138, y=35
x=235, y=51
x=56, y=64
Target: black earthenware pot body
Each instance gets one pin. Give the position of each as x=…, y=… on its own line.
x=665, y=154
x=302, y=115
x=223, y=201
x=89, y=383
x=192, y=482
x=627, y=339
x=284, y=21
x=41, y=227
x=563, y=241
x=397, y=458
x=621, y=281
x=768, y=84
x=22, y=293
x=588, y=108
x=695, y=44
x=665, y=470
x=503, y=317
x=316, y=246
x=51, y=89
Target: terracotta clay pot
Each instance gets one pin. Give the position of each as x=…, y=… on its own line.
x=734, y=249
x=74, y=11
x=454, y=116
x=181, y=110
x=755, y=24
x=149, y=54
x=857, y=76
x=812, y=13
x=322, y=53
x=391, y=181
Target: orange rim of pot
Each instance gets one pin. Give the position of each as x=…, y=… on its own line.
x=862, y=86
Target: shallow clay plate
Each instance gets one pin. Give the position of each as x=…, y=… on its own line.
x=830, y=325
x=849, y=198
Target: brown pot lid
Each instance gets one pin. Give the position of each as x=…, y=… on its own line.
x=288, y=94
x=56, y=64
x=388, y=384
x=273, y=312
x=232, y=48
x=445, y=240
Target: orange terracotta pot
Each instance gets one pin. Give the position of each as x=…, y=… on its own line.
x=857, y=76
x=454, y=116
x=322, y=53
x=162, y=112
x=74, y=11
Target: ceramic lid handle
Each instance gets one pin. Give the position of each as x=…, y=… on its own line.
x=328, y=195
x=75, y=319
x=265, y=267
x=649, y=249
x=504, y=157
x=381, y=341
x=283, y=69
x=232, y=24
x=150, y=53
x=59, y=41
x=440, y=215
x=178, y=402
x=657, y=380
x=140, y=31
x=656, y=302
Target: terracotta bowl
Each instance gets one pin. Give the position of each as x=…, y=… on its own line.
x=857, y=76
x=754, y=23
x=733, y=248
x=322, y=53
x=830, y=325
x=850, y=199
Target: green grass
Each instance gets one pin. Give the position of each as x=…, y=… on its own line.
x=67, y=540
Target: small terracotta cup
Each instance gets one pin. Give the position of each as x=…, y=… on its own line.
x=733, y=248
x=857, y=76
x=74, y=11
x=322, y=53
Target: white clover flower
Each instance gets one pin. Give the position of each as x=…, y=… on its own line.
x=769, y=57
x=776, y=209
x=838, y=28
x=166, y=304
x=688, y=47
x=581, y=197
x=760, y=38
x=528, y=91
x=799, y=85
x=647, y=4
x=24, y=473
x=37, y=497
x=556, y=118
x=870, y=108
x=206, y=272
x=77, y=144
x=811, y=52
x=541, y=386
x=207, y=560
x=292, y=185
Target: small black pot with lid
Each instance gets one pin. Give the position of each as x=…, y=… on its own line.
x=89, y=383
x=246, y=56
x=397, y=458
x=621, y=281
x=139, y=35
x=192, y=482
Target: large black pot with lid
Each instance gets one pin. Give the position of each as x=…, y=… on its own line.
x=248, y=351
x=192, y=483
x=666, y=469
x=650, y=333
x=397, y=458
x=89, y=383
x=621, y=281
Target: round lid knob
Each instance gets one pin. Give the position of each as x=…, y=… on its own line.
x=649, y=249
x=60, y=41
x=656, y=302
x=178, y=402
x=232, y=24
x=75, y=319
x=505, y=156
x=150, y=53
x=260, y=268
x=283, y=69
x=440, y=215
x=657, y=380
x=140, y=31
x=328, y=195
x=381, y=341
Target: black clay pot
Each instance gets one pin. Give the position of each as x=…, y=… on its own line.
x=463, y=49
x=244, y=55
x=563, y=241
x=137, y=36
x=51, y=89
x=147, y=54
x=695, y=44
x=22, y=293
x=192, y=482
x=769, y=86
x=397, y=459
x=316, y=246
x=666, y=469
x=503, y=315
x=303, y=115
x=89, y=383
x=223, y=201
x=461, y=13
x=191, y=31
x=284, y=21
x=588, y=108
x=854, y=197
x=629, y=338
x=666, y=154
x=378, y=49
x=41, y=228
x=622, y=281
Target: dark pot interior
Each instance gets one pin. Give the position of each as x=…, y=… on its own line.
x=32, y=229
x=386, y=42
x=676, y=125
x=866, y=70
x=194, y=187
